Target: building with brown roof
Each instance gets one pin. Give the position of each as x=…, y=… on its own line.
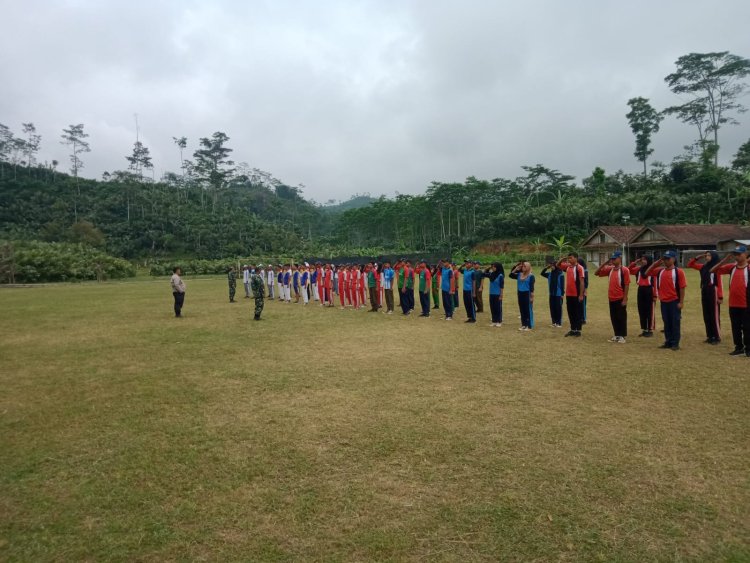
x=600, y=244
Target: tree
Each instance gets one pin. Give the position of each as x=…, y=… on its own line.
x=181, y=143
x=74, y=137
x=742, y=158
x=140, y=159
x=714, y=82
x=644, y=121
x=31, y=144
x=6, y=142
x=212, y=163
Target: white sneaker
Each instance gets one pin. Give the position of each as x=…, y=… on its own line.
x=621, y=340
x=613, y=339
x=449, y=319
x=499, y=325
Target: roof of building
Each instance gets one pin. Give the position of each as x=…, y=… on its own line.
x=695, y=234
x=621, y=233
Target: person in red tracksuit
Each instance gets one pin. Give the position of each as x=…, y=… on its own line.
x=328, y=281
x=646, y=295
x=671, y=284
x=362, y=286
x=712, y=294
x=619, y=284
x=575, y=291
x=739, y=298
x=321, y=284
x=353, y=285
x=343, y=280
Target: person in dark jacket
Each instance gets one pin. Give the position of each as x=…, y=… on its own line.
x=556, y=285
x=712, y=294
x=496, y=275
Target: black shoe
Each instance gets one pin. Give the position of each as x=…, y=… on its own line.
x=665, y=346
x=648, y=334
x=737, y=352
x=577, y=333
x=570, y=333
x=470, y=321
x=708, y=341
x=675, y=348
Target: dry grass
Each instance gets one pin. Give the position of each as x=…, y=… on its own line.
x=344, y=435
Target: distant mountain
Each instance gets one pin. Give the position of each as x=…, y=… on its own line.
x=355, y=202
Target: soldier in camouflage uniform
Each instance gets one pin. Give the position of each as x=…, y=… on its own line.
x=232, y=277
x=256, y=284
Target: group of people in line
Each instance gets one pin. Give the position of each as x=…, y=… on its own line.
x=375, y=285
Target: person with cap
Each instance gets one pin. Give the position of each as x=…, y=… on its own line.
x=739, y=298
x=232, y=279
x=446, y=288
x=178, y=290
x=712, y=293
x=314, y=282
x=646, y=295
x=425, y=281
x=521, y=272
x=388, y=275
x=496, y=274
x=246, y=280
x=468, y=284
x=556, y=287
x=288, y=283
x=256, y=284
x=575, y=291
x=671, y=284
x=619, y=285
x=280, y=282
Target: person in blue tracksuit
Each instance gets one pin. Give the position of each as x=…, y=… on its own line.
x=446, y=279
x=522, y=274
x=496, y=274
x=556, y=284
x=280, y=280
x=469, y=292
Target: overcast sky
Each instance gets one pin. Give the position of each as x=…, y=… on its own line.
x=360, y=96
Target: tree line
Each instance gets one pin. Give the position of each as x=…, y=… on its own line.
x=215, y=207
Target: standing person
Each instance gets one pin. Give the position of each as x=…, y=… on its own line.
x=344, y=286
x=556, y=286
x=232, y=279
x=455, y=286
x=646, y=295
x=335, y=280
x=478, y=287
x=270, y=281
x=280, y=283
x=304, y=284
x=404, y=275
x=256, y=284
x=372, y=287
x=388, y=275
x=295, y=282
x=739, y=298
x=425, y=281
x=575, y=292
x=288, y=283
x=446, y=288
x=584, y=310
x=435, y=286
x=496, y=274
x=619, y=284
x=328, y=293
x=469, y=294
x=246, y=280
x=712, y=294
x=671, y=284
x=314, y=282
x=521, y=272
x=362, y=286
x=321, y=282
x=178, y=290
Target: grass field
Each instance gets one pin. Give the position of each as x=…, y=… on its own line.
x=337, y=435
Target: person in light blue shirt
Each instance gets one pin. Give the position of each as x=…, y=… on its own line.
x=496, y=274
x=522, y=273
x=446, y=286
x=468, y=277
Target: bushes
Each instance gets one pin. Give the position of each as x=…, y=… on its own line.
x=33, y=261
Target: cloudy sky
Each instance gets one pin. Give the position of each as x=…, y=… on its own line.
x=357, y=96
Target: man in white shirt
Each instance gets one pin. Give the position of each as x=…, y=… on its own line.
x=178, y=290
x=271, y=281
x=246, y=280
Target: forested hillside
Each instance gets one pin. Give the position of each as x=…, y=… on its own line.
x=216, y=208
